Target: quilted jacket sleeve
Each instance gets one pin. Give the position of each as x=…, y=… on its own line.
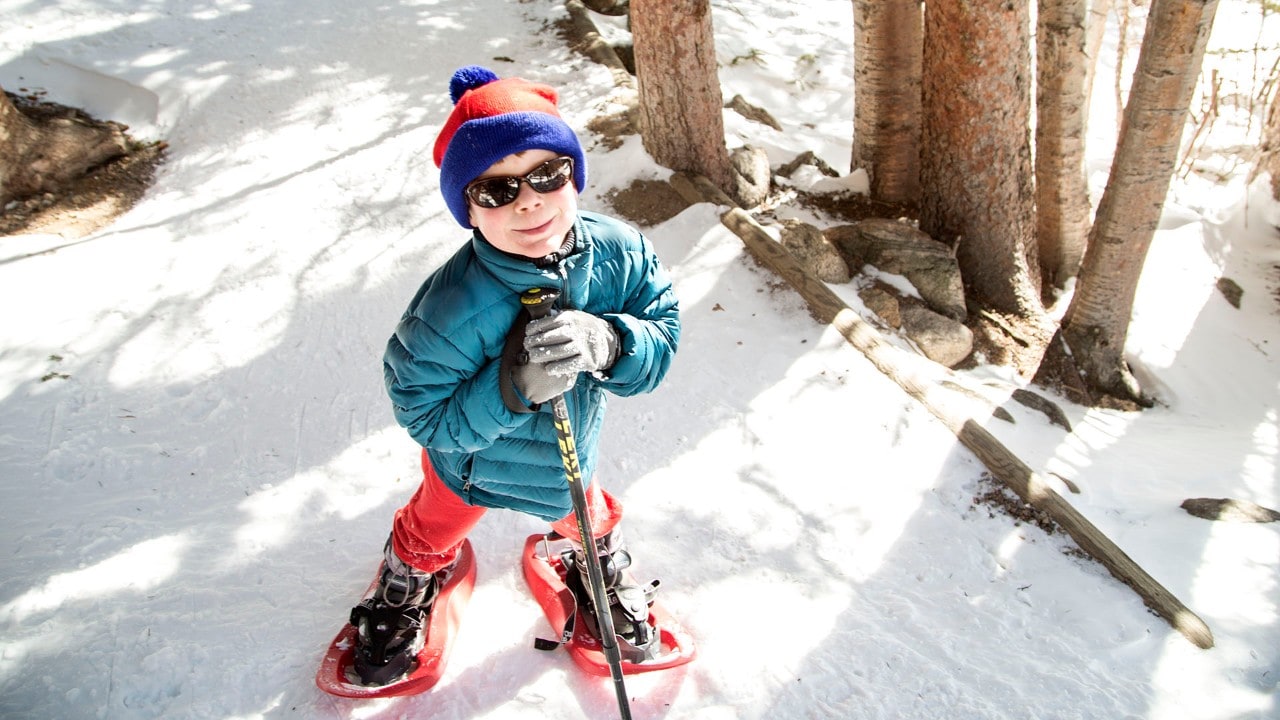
x=648, y=326
x=443, y=388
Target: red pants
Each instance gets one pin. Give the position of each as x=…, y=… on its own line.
x=429, y=530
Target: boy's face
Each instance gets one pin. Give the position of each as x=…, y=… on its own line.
x=535, y=224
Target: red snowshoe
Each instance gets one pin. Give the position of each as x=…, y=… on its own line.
x=337, y=674
x=545, y=571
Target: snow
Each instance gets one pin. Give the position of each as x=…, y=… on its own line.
x=200, y=465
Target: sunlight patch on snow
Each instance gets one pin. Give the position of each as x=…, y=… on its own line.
x=139, y=568
x=1176, y=285
x=344, y=487
x=220, y=8
x=373, y=708
x=697, y=274
x=1094, y=433
x=1185, y=684
x=1239, y=555
x=1259, y=471
x=726, y=643
x=18, y=369
x=228, y=329
x=272, y=703
x=16, y=654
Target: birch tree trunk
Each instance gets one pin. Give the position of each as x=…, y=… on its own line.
x=1269, y=159
x=1097, y=322
x=888, y=37
x=975, y=160
x=680, y=117
x=1062, y=191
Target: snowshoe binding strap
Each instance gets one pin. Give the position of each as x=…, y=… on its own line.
x=638, y=638
x=389, y=625
x=386, y=640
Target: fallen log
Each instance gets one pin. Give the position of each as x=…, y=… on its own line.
x=1003, y=464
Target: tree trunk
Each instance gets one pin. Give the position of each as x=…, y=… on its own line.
x=1269, y=160
x=975, y=165
x=680, y=113
x=888, y=39
x=1095, y=31
x=1097, y=322
x=1062, y=191
x=42, y=157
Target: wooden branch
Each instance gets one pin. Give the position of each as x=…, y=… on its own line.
x=1002, y=463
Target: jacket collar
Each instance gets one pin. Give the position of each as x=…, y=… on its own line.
x=569, y=272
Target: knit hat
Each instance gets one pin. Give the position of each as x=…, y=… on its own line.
x=491, y=119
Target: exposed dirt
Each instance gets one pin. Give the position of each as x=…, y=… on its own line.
x=90, y=202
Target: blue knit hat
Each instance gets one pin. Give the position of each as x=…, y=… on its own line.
x=491, y=119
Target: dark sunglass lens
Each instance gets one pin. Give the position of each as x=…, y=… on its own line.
x=550, y=175
x=494, y=192
x=498, y=191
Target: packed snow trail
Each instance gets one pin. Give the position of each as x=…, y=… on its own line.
x=199, y=464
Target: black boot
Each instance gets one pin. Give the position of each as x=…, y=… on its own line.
x=391, y=623
x=628, y=601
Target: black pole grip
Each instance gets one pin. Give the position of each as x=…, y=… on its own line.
x=539, y=302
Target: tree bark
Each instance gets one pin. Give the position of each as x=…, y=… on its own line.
x=975, y=169
x=1097, y=322
x=681, y=106
x=1269, y=160
x=888, y=42
x=1062, y=192
x=43, y=157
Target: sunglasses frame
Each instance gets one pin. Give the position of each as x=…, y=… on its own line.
x=510, y=184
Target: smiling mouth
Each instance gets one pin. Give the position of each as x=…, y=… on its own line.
x=536, y=229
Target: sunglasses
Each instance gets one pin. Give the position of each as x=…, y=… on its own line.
x=494, y=192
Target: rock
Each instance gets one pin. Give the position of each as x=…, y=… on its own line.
x=807, y=158
x=1229, y=509
x=884, y=304
x=1231, y=290
x=941, y=339
x=898, y=248
x=1049, y=408
x=753, y=112
x=615, y=8
x=814, y=252
x=751, y=176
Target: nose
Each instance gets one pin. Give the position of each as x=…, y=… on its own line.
x=527, y=197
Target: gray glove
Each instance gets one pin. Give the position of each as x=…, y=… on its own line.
x=571, y=342
x=537, y=385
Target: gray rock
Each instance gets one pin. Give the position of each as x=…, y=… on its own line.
x=940, y=338
x=898, y=248
x=814, y=252
x=751, y=176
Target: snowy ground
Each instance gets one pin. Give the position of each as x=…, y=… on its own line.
x=199, y=465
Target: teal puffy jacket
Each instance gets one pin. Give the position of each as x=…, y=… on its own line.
x=441, y=365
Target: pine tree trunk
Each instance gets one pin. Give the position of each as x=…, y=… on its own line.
x=680, y=114
x=1097, y=323
x=1062, y=192
x=888, y=37
x=975, y=169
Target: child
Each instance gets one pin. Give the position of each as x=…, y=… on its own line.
x=511, y=169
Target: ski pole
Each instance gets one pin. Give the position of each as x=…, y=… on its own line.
x=539, y=301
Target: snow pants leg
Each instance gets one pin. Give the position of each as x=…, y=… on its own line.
x=428, y=531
